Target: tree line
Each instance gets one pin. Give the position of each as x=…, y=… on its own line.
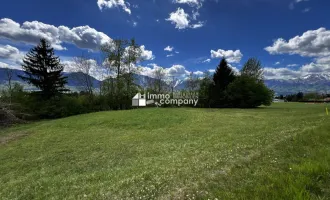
x=44, y=70
x=305, y=97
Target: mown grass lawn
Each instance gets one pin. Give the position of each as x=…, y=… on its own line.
x=278, y=152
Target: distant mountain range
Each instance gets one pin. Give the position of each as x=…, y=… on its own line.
x=308, y=83
x=72, y=79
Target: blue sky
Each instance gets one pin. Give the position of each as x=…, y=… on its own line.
x=200, y=32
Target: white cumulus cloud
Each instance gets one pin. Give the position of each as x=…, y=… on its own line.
x=8, y=51
x=31, y=32
x=323, y=60
x=3, y=65
x=230, y=55
x=179, y=18
x=11, y=55
x=177, y=71
x=312, y=43
x=83, y=37
x=102, y=4
x=146, y=54
x=280, y=73
x=198, y=73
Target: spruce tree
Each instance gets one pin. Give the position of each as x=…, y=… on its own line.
x=44, y=70
x=222, y=77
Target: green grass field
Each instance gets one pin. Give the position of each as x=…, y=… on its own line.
x=278, y=152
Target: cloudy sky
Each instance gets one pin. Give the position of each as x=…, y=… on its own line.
x=290, y=37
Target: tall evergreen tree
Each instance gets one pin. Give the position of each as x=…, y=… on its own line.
x=222, y=77
x=44, y=70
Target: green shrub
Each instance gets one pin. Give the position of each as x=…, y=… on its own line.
x=247, y=92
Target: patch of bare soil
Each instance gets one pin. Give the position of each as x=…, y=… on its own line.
x=12, y=137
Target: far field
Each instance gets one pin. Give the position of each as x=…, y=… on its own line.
x=278, y=152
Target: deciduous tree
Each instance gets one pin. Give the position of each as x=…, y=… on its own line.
x=83, y=66
x=192, y=82
x=253, y=68
x=247, y=92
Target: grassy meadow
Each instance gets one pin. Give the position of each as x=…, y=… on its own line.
x=277, y=152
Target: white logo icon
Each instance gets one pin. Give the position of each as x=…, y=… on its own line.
x=139, y=100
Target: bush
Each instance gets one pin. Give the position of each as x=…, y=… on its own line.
x=67, y=105
x=247, y=92
x=31, y=106
x=62, y=106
